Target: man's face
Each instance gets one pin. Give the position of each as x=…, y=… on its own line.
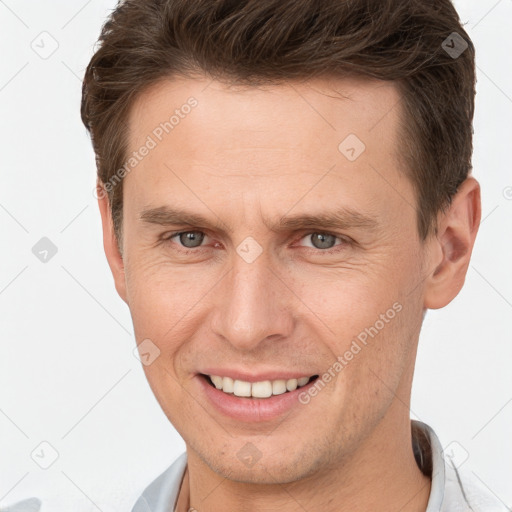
x=247, y=293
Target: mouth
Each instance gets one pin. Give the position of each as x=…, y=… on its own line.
x=256, y=390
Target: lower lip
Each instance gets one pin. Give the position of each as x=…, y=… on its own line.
x=252, y=409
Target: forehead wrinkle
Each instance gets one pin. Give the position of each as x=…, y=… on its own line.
x=342, y=218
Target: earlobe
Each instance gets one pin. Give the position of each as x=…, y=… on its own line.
x=114, y=257
x=453, y=245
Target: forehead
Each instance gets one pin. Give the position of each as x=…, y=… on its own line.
x=295, y=112
x=266, y=143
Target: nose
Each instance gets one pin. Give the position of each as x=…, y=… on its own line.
x=253, y=306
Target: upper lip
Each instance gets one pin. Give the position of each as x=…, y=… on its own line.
x=253, y=376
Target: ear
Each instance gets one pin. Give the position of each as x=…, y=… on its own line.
x=114, y=257
x=452, y=246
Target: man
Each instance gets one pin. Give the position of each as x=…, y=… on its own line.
x=285, y=189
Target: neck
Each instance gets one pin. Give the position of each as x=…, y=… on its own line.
x=383, y=476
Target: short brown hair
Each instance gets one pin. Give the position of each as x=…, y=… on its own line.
x=253, y=42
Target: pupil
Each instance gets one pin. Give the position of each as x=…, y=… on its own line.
x=191, y=238
x=323, y=241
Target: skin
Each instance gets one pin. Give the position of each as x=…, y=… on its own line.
x=248, y=155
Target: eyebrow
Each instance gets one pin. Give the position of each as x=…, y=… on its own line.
x=341, y=218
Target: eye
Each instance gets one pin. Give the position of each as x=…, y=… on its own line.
x=189, y=239
x=317, y=240
x=320, y=240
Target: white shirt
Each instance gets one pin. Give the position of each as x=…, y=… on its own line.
x=452, y=489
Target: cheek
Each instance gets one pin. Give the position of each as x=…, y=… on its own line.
x=169, y=306
x=160, y=295
x=347, y=301
x=369, y=319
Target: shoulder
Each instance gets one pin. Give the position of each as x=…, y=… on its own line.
x=465, y=492
x=160, y=494
x=455, y=489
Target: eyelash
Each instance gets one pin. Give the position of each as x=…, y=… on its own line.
x=336, y=248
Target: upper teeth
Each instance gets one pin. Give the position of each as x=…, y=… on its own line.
x=262, y=389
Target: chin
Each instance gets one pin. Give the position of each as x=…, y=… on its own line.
x=244, y=463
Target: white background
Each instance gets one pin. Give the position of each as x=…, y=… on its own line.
x=67, y=372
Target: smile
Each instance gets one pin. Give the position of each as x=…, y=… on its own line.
x=261, y=389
